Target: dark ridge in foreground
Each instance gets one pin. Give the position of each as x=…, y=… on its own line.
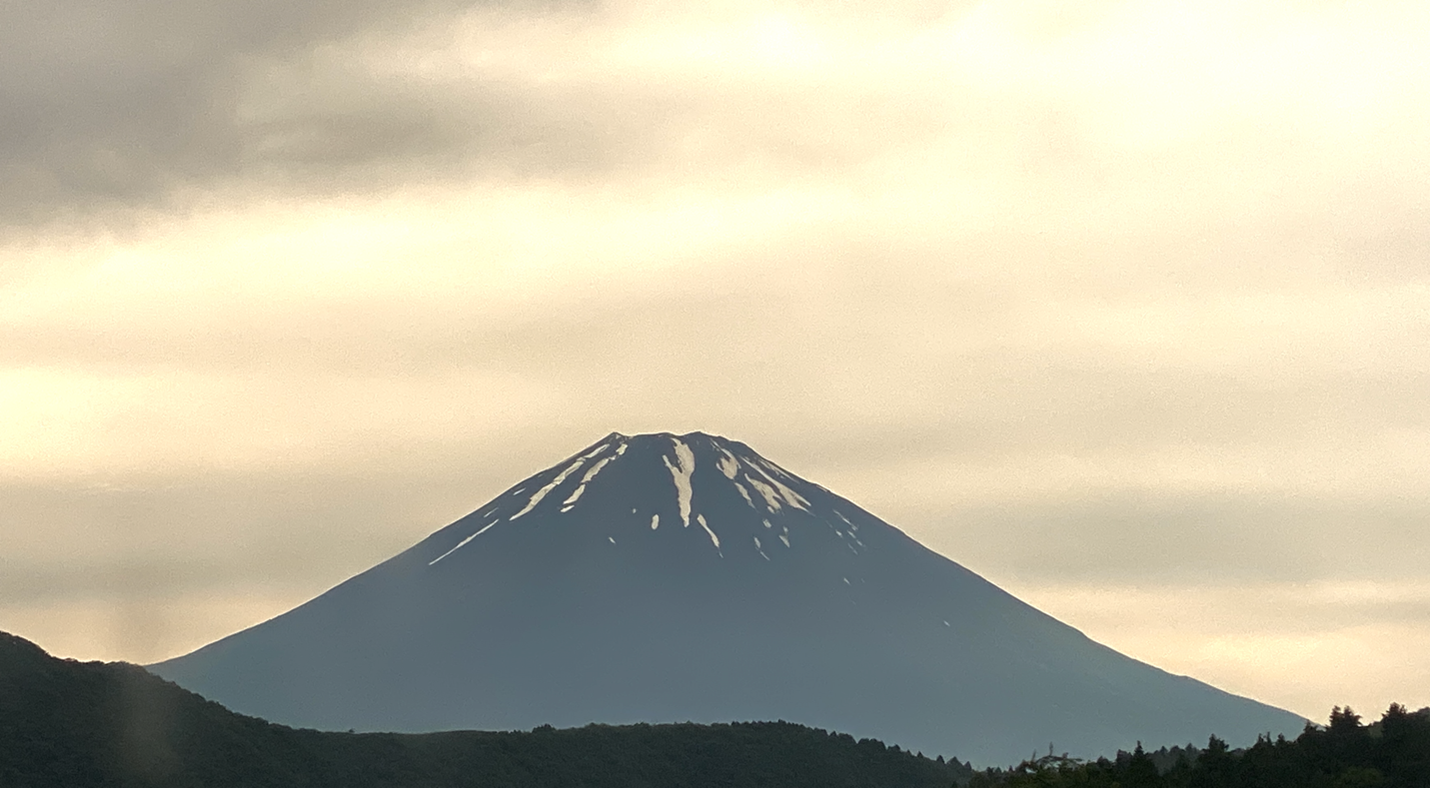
x=80, y=724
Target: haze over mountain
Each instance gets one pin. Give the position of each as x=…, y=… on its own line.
x=686, y=578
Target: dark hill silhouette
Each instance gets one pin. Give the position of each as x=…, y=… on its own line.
x=67, y=724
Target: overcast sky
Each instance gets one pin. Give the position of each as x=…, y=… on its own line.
x=1123, y=305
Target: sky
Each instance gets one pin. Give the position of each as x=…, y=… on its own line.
x=1123, y=305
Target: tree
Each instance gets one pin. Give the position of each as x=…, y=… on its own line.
x=1344, y=722
x=1141, y=772
x=1216, y=768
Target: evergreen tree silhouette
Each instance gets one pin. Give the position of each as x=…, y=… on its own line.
x=1141, y=772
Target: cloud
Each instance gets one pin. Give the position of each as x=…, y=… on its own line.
x=1049, y=117
x=1128, y=293
x=1159, y=538
x=153, y=103
x=206, y=533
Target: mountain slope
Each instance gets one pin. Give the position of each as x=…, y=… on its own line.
x=670, y=578
x=74, y=725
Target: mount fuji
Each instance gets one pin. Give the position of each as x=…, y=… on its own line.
x=657, y=578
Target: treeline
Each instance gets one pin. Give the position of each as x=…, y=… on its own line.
x=1391, y=753
x=95, y=725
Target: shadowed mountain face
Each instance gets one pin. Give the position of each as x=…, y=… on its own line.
x=686, y=578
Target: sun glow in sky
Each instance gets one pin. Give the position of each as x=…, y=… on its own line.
x=1123, y=305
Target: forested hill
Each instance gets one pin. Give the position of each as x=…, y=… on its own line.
x=1391, y=753
x=73, y=724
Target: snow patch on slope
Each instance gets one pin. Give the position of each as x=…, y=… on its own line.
x=745, y=494
x=463, y=543
x=728, y=464
x=544, y=491
x=771, y=496
x=715, y=540
x=586, y=479
x=600, y=447
x=680, y=471
x=786, y=493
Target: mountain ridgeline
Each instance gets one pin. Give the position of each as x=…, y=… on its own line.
x=663, y=578
x=66, y=724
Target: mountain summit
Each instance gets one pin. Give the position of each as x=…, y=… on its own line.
x=666, y=578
